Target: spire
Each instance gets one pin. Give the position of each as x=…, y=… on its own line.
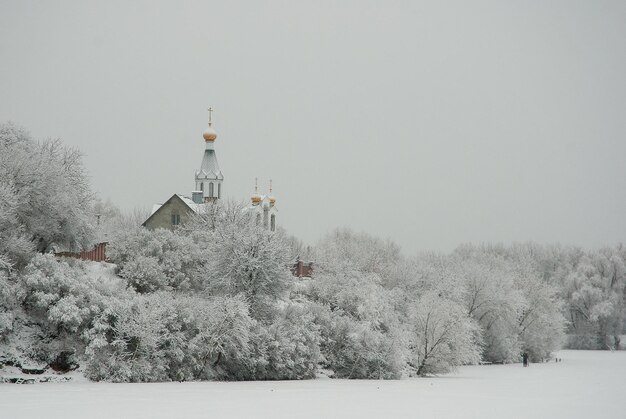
x=209, y=134
x=209, y=177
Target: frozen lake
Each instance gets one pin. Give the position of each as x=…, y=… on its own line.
x=586, y=384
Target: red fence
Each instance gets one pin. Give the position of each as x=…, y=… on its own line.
x=97, y=254
x=301, y=269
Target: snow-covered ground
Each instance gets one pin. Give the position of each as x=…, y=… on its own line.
x=586, y=384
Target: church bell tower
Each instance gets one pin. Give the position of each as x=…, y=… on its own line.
x=209, y=177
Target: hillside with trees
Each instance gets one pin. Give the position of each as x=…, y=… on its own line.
x=215, y=298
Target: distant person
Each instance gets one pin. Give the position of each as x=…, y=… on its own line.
x=525, y=359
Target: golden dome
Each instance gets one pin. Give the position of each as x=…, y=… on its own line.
x=256, y=199
x=209, y=134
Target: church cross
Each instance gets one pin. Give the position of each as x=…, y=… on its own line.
x=210, y=112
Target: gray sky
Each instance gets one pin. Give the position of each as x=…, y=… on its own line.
x=429, y=124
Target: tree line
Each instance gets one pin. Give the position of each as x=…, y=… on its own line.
x=215, y=300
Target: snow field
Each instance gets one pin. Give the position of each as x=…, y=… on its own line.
x=586, y=384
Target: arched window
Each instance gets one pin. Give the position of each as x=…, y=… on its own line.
x=273, y=222
x=258, y=219
x=219, y=190
x=202, y=186
x=211, y=189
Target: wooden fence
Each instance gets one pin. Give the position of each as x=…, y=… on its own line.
x=301, y=269
x=97, y=254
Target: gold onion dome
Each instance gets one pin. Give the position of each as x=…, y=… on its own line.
x=256, y=199
x=209, y=134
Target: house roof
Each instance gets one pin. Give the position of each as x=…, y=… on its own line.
x=197, y=208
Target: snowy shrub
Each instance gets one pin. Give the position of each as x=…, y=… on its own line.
x=145, y=274
x=63, y=300
x=158, y=260
x=286, y=349
x=355, y=349
x=223, y=331
x=10, y=295
x=583, y=341
x=163, y=337
x=58, y=293
x=362, y=336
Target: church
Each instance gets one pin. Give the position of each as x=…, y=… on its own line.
x=209, y=181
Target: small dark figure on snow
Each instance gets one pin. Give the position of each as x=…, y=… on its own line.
x=525, y=359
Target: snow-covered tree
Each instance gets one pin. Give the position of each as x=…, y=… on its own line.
x=159, y=259
x=51, y=200
x=596, y=290
x=491, y=297
x=15, y=247
x=343, y=251
x=362, y=332
x=243, y=258
x=443, y=335
x=54, y=302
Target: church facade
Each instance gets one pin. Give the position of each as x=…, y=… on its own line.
x=209, y=181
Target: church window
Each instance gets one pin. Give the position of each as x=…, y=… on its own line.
x=211, y=189
x=258, y=219
x=219, y=190
x=273, y=222
x=202, y=186
x=175, y=219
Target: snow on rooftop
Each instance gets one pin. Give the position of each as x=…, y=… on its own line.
x=197, y=208
x=155, y=208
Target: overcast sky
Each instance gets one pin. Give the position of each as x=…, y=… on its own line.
x=429, y=124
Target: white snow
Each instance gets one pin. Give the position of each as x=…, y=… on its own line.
x=586, y=384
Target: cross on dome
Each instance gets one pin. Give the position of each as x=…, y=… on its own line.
x=209, y=134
